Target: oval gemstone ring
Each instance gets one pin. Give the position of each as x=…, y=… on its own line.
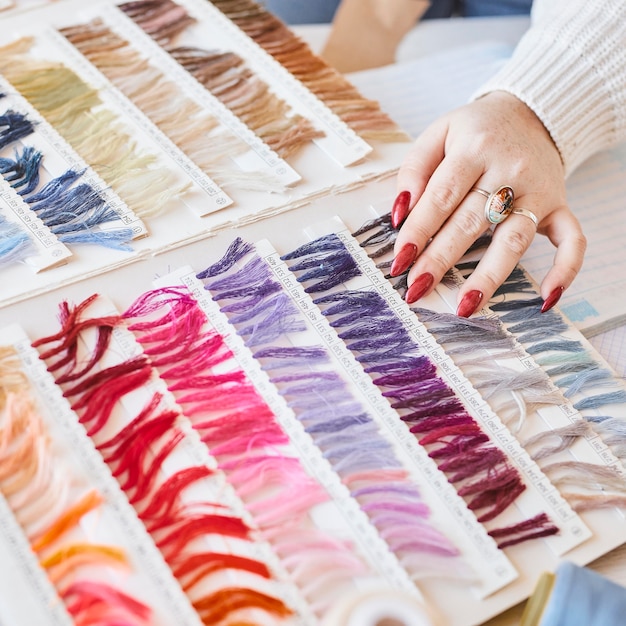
x=499, y=204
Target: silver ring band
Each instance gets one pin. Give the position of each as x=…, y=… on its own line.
x=526, y=213
x=499, y=203
x=481, y=191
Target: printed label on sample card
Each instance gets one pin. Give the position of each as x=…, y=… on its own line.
x=48, y=252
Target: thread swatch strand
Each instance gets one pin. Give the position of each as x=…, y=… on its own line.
x=200, y=135
x=243, y=434
x=364, y=116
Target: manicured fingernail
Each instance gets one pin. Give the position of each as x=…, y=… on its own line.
x=404, y=259
x=419, y=287
x=469, y=303
x=400, y=208
x=552, y=299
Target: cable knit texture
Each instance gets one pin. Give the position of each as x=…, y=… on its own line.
x=570, y=69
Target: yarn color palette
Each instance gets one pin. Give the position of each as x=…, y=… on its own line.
x=176, y=141
x=215, y=405
x=265, y=363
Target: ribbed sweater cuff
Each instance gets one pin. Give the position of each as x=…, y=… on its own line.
x=572, y=73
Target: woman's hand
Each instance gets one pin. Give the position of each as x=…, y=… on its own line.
x=492, y=142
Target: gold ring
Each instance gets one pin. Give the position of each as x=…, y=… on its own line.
x=526, y=213
x=499, y=203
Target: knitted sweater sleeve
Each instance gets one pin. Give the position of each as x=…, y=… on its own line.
x=570, y=69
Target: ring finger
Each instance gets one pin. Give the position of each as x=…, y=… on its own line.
x=450, y=243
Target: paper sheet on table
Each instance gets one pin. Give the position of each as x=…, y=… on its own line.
x=416, y=92
x=595, y=303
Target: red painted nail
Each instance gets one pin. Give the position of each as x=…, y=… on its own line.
x=400, y=208
x=469, y=303
x=404, y=259
x=552, y=299
x=419, y=287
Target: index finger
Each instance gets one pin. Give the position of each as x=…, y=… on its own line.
x=421, y=161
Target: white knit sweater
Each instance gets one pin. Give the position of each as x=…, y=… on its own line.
x=570, y=68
